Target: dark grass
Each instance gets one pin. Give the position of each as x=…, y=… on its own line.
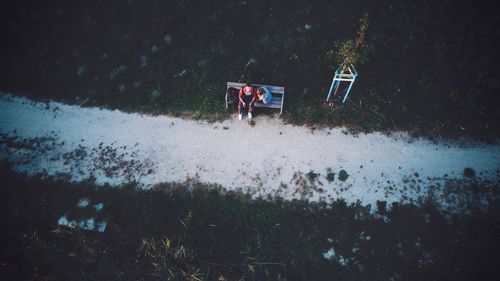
x=427, y=66
x=227, y=234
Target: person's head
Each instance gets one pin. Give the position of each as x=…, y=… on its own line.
x=248, y=88
x=260, y=92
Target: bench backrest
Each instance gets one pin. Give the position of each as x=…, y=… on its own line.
x=272, y=89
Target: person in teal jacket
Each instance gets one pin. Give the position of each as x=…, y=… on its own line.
x=264, y=95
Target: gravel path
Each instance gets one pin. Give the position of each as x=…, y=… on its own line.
x=269, y=158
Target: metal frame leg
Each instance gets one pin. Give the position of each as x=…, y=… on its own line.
x=348, y=90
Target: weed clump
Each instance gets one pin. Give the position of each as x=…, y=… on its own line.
x=343, y=175
x=330, y=176
x=312, y=176
x=469, y=173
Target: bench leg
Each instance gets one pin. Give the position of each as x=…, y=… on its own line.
x=282, y=102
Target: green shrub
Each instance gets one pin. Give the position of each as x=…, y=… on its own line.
x=330, y=176
x=312, y=176
x=469, y=172
x=343, y=175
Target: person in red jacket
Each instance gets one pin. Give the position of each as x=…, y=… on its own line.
x=247, y=98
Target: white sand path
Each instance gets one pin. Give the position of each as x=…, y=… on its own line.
x=270, y=158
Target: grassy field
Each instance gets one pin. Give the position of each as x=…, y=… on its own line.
x=194, y=232
x=426, y=66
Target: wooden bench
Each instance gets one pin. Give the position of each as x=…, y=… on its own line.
x=277, y=92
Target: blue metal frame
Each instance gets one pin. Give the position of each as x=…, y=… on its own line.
x=341, y=76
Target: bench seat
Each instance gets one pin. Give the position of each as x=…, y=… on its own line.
x=275, y=103
x=277, y=100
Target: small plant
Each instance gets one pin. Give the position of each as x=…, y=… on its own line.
x=343, y=175
x=283, y=186
x=350, y=51
x=312, y=176
x=469, y=172
x=381, y=207
x=169, y=258
x=330, y=176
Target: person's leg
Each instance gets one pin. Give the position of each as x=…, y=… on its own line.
x=250, y=107
x=240, y=114
x=247, y=100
